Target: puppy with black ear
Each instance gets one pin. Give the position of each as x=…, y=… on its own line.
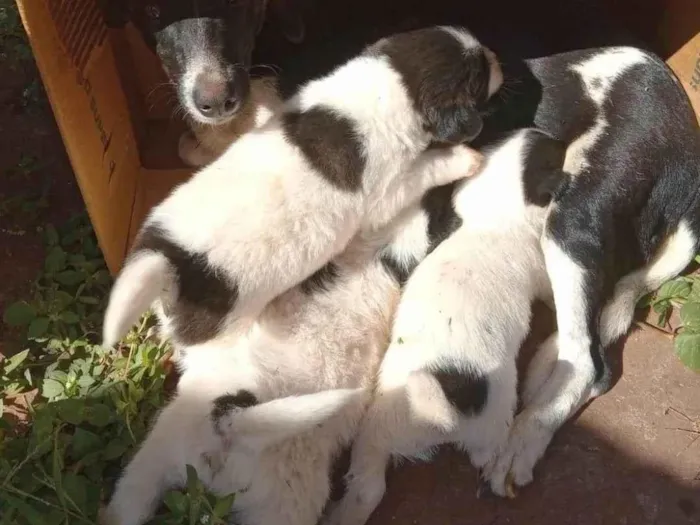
x=344, y=155
x=449, y=374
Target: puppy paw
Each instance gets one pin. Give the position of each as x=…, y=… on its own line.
x=515, y=465
x=192, y=152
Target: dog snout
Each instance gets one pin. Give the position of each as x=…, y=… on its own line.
x=216, y=97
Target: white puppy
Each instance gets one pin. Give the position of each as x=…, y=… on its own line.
x=449, y=374
x=345, y=154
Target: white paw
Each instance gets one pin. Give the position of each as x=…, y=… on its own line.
x=514, y=467
x=191, y=151
x=470, y=160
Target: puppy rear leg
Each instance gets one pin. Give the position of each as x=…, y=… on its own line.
x=618, y=314
x=159, y=465
x=407, y=418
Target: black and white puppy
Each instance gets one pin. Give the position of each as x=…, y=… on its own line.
x=206, y=50
x=449, y=375
x=626, y=220
x=345, y=154
x=264, y=407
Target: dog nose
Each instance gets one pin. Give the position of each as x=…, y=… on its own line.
x=215, y=97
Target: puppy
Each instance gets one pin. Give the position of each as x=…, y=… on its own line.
x=344, y=155
x=449, y=374
x=264, y=415
x=206, y=49
x=625, y=219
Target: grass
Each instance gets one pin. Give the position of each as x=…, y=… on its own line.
x=75, y=412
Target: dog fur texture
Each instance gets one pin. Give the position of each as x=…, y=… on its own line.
x=346, y=154
x=262, y=409
x=626, y=219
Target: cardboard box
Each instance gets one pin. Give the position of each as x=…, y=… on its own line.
x=103, y=86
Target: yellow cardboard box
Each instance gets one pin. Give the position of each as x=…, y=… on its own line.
x=103, y=87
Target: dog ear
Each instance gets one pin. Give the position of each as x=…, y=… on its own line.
x=288, y=15
x=453, y=123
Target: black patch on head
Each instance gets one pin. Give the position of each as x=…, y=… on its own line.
x=321, y=280
x=543, y=175
x=442, y=218
x=204, y=297
x=330, y=144
x=447, y=82
x=465, y=389
x=222, y=405
x=399, y=271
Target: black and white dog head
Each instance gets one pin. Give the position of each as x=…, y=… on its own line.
x=449, y=75
x=206, y=46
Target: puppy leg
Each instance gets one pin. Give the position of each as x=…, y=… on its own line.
x=434, y=167
x=617, y=317
x=179, y=432
x=409, y=417
x=580, y=372
x=192, y=151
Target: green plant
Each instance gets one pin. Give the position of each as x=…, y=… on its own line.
x=684, y=293
x=91, y=406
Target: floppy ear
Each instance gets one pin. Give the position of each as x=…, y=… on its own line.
x=453, y=123
x=544, y=176
x=140, y=282
x=288, y=15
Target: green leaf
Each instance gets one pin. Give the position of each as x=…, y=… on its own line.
x=69, y=317
x=88, y=300
x=99, y=415
x=55, y=260
x=75, y=487
x=192, y=481
x=51, y=388
x=38, y=327
x=51, y=235
x=176, y=502
x=223, y=506
x=687, y=348
x=114, y=449
x=72, y=411
x=84, y=442
x=16, y=360
x=69, y=277
x=677, y=289
x=19, y=314
x=27, y=511
x=690, y=316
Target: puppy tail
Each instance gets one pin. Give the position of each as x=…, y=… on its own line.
x=260, y=426
x=140, y=282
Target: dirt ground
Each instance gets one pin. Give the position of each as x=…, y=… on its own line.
x=630, y=458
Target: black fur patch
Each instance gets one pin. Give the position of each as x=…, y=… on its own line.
x=442, y=218
x=543, y=176
x=330, y=144
x=222, y=405
x=447, y=82
x=465, y=390
x=204, y=299
x=400, y=272
x=321, y=280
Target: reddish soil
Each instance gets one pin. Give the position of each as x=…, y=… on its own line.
x=32, y=162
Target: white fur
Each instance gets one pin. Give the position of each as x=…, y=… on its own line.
x=281, y=220
x=468, y=305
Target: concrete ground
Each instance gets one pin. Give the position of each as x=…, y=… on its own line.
x=631, y=457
